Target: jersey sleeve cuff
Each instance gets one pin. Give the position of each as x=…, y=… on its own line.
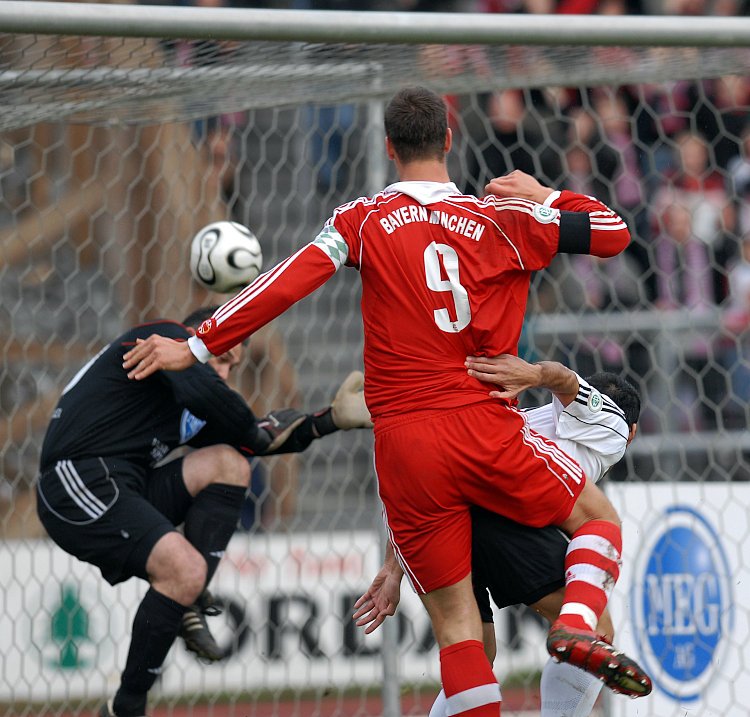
x=199, y=349
x=550, y=200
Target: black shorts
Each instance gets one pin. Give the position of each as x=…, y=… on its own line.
x=111, y=513
x=516, y=563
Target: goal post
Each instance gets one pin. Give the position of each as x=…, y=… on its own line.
x=125, y=128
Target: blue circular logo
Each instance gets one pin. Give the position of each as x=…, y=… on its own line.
x=681, y=602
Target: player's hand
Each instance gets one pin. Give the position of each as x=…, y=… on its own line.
x=157, y=353
x=510, y=372
x=380, y=601
x=348, y=409
x=277, y=426
x=518, y=184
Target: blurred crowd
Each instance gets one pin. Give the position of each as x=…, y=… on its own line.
x=672, y=158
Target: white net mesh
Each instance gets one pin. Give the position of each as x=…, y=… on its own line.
x=95, y=221
x=107, y=80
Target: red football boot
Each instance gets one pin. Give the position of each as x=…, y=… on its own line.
x=586, y=650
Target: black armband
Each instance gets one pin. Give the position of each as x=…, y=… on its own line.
x=323, y=422
x=575, y=233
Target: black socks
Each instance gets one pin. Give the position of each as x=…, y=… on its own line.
x=155, y=627
x=212, y=520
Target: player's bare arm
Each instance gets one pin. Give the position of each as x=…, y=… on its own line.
x=157, y=353
x=382, y=597
x=518, y=184
x=515, y=375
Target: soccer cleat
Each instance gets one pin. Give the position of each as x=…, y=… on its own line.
x=587, y=651
x=197, y=637
x=208, y=604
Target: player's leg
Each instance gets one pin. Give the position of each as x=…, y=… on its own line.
x=523, y=565
x=469, y=684
x=217, y=477
x=568, y=690
x=440, y=705
x=177, y=573
x=430, y=529
x=554, y=491
x=592, y=561
x=90, y=510
x=549, y=608
x=592, y=567
x=205, y=491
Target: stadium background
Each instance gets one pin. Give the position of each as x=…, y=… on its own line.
x=115, y=150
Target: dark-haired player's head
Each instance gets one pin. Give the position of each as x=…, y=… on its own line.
x=622, y=392
x=224, y=364
x=416, y=124
x=197, y=317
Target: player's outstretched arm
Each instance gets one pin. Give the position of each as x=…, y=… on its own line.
x=157, y=353
x=605, y=234
x=514, y=375
x=382, y=597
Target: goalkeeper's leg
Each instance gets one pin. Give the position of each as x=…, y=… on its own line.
x=204, y=491
x=177, y=573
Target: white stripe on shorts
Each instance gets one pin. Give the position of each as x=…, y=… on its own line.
x=82, y=498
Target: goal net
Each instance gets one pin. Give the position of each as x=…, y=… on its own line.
x=117, y=145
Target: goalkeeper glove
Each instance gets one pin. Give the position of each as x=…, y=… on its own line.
x=348, y=409
x=276, y=427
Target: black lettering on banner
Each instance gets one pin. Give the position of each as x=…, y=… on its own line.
x=238, y=623
x=290, y=614
x=353, y=636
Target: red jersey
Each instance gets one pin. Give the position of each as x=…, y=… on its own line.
x=444, y=276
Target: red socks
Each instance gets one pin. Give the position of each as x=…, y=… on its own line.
x=470, y=686
x=592, y=566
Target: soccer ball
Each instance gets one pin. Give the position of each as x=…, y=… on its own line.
x=225, y=256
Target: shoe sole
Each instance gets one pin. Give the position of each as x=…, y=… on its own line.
x=615, y=669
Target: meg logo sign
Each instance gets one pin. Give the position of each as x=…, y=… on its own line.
x=681, y=597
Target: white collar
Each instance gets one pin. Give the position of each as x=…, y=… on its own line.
x=425, y=192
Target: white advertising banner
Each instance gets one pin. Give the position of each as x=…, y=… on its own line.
x=287, y=623
x=682, y=604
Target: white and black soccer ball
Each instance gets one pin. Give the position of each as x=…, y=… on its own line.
x=225, y=256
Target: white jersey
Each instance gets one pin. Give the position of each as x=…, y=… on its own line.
x=592, y=429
